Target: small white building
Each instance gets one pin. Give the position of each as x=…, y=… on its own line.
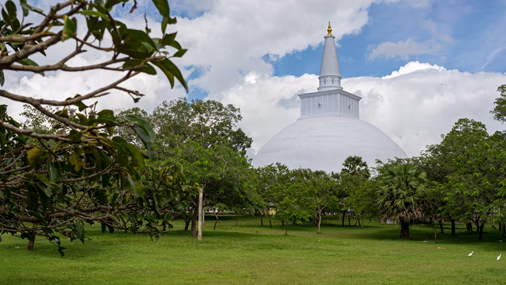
x=329, y=129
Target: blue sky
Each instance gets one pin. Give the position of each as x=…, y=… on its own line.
x=231, y=43
x=458, y=34
x=475, y=28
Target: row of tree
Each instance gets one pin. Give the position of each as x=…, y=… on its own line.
x=70, y=163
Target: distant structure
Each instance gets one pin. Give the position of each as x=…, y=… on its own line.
x=329, y=129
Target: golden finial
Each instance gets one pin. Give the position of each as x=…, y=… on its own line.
x=329, y=30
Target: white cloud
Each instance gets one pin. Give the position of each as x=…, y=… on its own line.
x=439, y=38
x=402, y=49
x=231, y=38
x=421, y=4
x=413, y=105
x=227, y=41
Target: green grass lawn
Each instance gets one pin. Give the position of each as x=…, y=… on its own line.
x=251, y=254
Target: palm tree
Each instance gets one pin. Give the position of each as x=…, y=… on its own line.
x=401, y=194
x=354, y=165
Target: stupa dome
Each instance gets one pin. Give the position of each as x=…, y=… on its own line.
x=323, y=143
x=329, y=129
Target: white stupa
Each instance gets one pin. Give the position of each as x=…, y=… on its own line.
x=329, y=129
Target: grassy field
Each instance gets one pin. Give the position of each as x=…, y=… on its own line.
x=251, y=254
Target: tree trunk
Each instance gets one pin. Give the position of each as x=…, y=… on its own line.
x=216, y=216
x=453, y=226
x=319, y=222
x=440, y=221
x=201, y=213
x=349, y=221
x=404, y=229
x=187, y=220
x=435, y=230
x=359, y=223
x=469, y=226
x=31, y=240
x=30, y=244
x=344, y=215
x=480, y=231
x=270, y=221
x=104, y=227
x=282, y=223
x=293, y=221
x=261, y=218
x=286, y=229
x=194, y=222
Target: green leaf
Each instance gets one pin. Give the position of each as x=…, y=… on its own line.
x=176, y=45
x=168, y=39
x=54, y=172
x=165, y=21
x=36, y=156
x=147, y=68
x=129, y=184
x=11, y=8
x=136, y=156
x=180, y=53
x=2, y=77
x=69, y=28
x=144, y=132
x=27, y=7
x=80, y=230
x=91, y=13
x=23, y=6
x=75, y=137
x=96, y=27
x=107, y=117
x=6, y=17
x=163, y=7
x=170, y=70
x=29, y=62
x=44, y=189
x=75, y=161
x=133, y=49
x=111, y=3
x=80, y=105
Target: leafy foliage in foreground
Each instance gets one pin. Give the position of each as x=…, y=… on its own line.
x=66, y=166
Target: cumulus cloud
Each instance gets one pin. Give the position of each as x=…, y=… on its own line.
x=413, y=105
x=231, y=38
x=227, y=41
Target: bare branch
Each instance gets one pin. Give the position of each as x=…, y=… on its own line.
x=34, y=102
x=31, y=133
x=21, y=39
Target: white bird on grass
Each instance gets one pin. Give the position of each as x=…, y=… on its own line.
x=499, y=257
x=471, y=253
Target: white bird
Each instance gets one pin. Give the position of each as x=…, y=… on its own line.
x=424, y=241
x=471, y=253
x=499, y=257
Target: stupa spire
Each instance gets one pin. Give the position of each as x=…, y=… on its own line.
x=330, y=76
